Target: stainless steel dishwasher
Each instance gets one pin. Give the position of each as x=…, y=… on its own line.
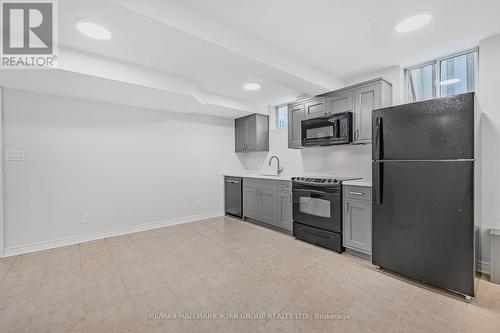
x=233, y=195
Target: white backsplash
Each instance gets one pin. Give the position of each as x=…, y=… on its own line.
x=343, y=160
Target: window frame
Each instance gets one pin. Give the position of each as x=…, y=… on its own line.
x=437, y=67
x=276, y=115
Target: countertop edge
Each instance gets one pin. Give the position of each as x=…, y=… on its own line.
x=362, y=183
x=282, y=178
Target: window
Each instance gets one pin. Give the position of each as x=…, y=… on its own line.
x=458, y=74
x=421, y=83
x=282, y=116
x=443, y=77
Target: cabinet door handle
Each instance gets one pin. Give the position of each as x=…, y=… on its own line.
x=357, y=133
x=356, y=193
x=347, y=207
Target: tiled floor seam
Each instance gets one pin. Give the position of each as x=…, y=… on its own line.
x=314, y=260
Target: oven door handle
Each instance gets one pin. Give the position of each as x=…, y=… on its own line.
x=313, y=192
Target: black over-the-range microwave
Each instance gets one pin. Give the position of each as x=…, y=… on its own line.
x=329, y=130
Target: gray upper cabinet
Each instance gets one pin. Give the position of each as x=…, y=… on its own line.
x=315, y=108
x=252, y=133
x=366, y=99
x=340, y=102
x=240, y=134
x=295, y=117
x=360, y=99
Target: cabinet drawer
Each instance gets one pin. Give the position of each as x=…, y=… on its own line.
x=285, y=186
x=260, y=183
x=358, y=192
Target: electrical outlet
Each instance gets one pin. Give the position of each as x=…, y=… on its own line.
x=86, y=218
x=199, y=202
x=15, y=155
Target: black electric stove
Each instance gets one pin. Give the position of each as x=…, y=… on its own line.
x=317, y=210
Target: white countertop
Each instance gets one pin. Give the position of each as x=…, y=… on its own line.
x=250, y=174
x=360, y=182
x=288, y=177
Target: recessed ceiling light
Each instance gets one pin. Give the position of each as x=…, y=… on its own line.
x=414, y=22
x=93, y=30
x=449, y=82
x=252, y=86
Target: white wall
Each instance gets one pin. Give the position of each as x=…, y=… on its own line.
x=338, y=160
x=488, y=96
x=123, y=165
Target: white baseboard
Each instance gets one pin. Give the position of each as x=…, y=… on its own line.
x=483, y=267
x=46, y=245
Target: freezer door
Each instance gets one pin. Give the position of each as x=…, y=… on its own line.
x=423, y=224
x=436, y=129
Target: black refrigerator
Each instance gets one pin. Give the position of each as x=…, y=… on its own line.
x=423, y=190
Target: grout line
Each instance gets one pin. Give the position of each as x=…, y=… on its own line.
x=315, y=260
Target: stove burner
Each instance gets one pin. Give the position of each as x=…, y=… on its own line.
x=315, y=180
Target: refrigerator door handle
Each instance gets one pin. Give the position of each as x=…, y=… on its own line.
x=379, y=181
x=378, y=138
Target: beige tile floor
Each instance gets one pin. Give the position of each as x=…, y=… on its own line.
x=222, y=266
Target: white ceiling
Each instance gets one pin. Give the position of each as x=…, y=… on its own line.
x=347, y=38
x=142, y=40
x=195, y=55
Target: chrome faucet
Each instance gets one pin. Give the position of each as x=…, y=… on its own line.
x=280, y=170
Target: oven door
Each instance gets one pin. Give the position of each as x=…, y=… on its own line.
x=317, y=208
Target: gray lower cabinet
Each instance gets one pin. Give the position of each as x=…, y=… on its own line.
x=285, y=210
x=357, y=223
x=251, y=202
x=366, y=99
x=268, y=204
x=268, y=201
x=251, y=133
